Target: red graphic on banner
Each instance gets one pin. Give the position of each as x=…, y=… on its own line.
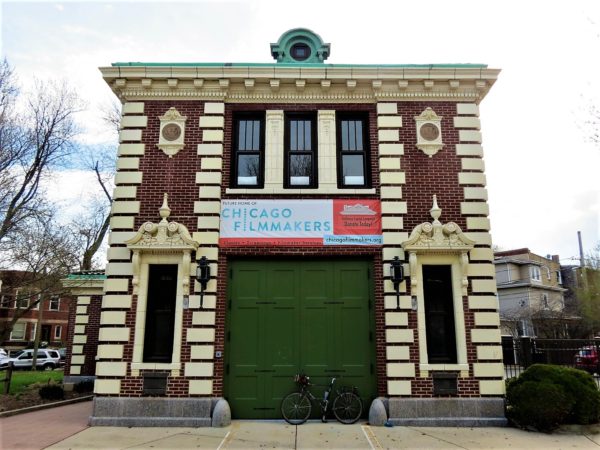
x=362, y=217
x=275, y=242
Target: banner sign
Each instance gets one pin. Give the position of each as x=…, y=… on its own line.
x=300, y=222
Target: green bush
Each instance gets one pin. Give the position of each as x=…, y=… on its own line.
x=544, y=396
x=52, y=392
x=542, y=405
x=84, y=386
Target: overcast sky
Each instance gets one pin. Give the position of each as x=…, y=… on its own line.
x=542, y=171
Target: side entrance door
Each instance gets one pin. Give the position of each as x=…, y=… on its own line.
x=291, y=316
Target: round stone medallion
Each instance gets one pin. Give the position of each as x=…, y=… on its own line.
x=171, y=131
x=429, y=131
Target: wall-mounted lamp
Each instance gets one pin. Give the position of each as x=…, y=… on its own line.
x=202, y=276
x=397, y=275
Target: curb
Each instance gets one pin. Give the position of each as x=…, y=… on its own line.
x=14, y=412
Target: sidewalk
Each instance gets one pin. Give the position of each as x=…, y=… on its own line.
x=40, y=429
x=315, y=435
x=66, y=428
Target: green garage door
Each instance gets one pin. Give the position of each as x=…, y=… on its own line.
x=286, y=317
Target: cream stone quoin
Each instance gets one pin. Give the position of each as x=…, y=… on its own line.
x=436, y=243
x=171, y=138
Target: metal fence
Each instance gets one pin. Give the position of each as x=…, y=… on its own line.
x=520, y=353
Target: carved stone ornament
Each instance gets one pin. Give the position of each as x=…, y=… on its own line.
x=429, y=132
x=162, y=237
x=172, y=132
x=437, y=238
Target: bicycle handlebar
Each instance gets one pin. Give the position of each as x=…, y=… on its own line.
x=301, y=378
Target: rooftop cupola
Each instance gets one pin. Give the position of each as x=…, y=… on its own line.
x=300, y=45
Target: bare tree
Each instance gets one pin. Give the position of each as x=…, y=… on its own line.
x=93, y=226
x=36, y=136
x=31, y=144
x=45, y=253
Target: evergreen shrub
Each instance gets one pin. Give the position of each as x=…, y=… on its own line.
x=546, y=396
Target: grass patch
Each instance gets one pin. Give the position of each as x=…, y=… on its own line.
x=21, y=379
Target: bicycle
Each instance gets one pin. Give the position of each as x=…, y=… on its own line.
x=297, y=406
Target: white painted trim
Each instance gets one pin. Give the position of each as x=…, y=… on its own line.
x=140, y=320
x=459, y=319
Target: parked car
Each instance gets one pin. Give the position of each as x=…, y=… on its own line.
x=63, y=355
x=47, y=359
x=3, y=353
x=586, y=359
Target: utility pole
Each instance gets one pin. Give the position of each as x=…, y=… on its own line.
x=581, y=258
x=582, y=263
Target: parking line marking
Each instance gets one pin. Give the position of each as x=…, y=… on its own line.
x=371, y=437
x=223, y=441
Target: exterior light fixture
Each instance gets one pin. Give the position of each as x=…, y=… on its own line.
x=396, y=275
x=202, y=276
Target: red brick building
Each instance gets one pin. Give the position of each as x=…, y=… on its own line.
x=20, y=295
x=300, y=185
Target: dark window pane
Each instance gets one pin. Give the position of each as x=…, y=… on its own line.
x=256, y=135
x=248, y=169
x=344, y=135
x=307, y=140
x=293, y=135
x=353, y=170
x=242, y=135
x=359, y=135
x=352, y=135
x=439, y=314
x=301, y=142
x=300, y=170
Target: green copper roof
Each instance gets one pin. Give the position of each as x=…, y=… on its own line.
x=308, y=65
x=300, y=45
x=87, y=275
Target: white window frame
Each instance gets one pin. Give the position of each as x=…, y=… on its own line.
x=545, y=301
x=37, y=305
x=54, y=298
x=57, y=332
x=146, y=260
x=22, y=337
x=5, y=301
x=535, y=273
x=454, y=262
x=17, y=300
x=33, y=331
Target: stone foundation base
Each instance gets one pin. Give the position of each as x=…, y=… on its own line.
x=447, y=412
x=152, y=412
x=78, y=378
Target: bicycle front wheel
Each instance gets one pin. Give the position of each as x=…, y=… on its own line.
x=347, y=407
x=296, y=408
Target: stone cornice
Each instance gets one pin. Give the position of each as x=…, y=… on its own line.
x=83, y=286
x=286, y=84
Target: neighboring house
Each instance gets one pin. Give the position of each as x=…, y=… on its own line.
x=258, y=211
x=531, y=294
x=17, y=293
x=571, y=278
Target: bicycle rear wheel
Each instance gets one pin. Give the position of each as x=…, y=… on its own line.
x=347, y=407
x=296, y=408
